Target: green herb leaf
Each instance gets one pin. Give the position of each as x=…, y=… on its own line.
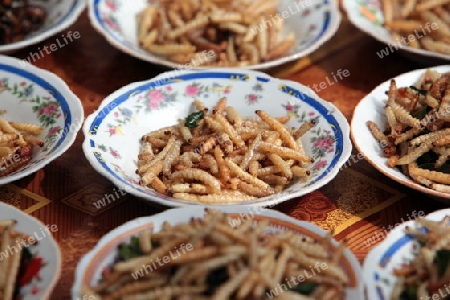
x=155, y=244
x=215, y=279
x=442, y=260
x=420, y=113
x=427, y=161
x=409, y=293
x=306, y=288
x=192, y=119
x=422, y=92
x=130, y=250
x=427, y=158
x=27, y=256
x=430, y=166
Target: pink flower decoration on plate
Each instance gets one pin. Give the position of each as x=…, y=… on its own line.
x=169, y=88
x=111, y=5
x=54, y=130
x=192, y=90
x=48, y=110
x=35, y=290
x=155, y=97
x=320, y=164
x=111, y=24
x=114, y=153
x=323, y=143
x=374, y=3
x=252, y=98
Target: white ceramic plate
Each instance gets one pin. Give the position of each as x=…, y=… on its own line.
x=45, y=253
x=30, y=94
x=367, y=15
x=60, y=15
x=395, y=250
x=371, y=108
x=112, y=133
x=89, y=269
x=312, y=24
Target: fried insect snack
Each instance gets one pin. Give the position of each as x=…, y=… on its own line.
x=417, y=134
x=428, y=273
x=17, y=140
x=217, y=156
x=214, y=33
x=18, y=18
x=10, y=263
x=420, y=24
x=206, y=258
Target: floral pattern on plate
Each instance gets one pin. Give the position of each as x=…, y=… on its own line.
x=371, y=11
x=328, y=142
x=109, y=15
x=28, y=282
x=39, y=97
x=256, y=94
x=323, y=141
x=159, y=98
x=196, y=89
x=47, y=109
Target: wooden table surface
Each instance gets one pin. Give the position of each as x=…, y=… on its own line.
x=358, y=203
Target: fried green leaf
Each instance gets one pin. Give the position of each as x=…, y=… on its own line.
x=422, y=92
x=130, y=250
x=306, y=288
x=442, y=260
x=191, y=120
x=409, y=293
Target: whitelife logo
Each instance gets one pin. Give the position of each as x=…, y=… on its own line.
x=38, y=236
x=66, y=39
x=145, y=269
x=292, y=10
x=411, y=38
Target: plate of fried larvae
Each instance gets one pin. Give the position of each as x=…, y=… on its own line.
x=30, y=260
x=409, y=121
x=198, y=253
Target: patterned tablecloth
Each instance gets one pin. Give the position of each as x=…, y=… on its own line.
x=359, y=205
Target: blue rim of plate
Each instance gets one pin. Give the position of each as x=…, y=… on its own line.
x=389, y=247
x=101, y=114
x=99, y=20
x=386, y=257
x=52, y=90
x=326, y=24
